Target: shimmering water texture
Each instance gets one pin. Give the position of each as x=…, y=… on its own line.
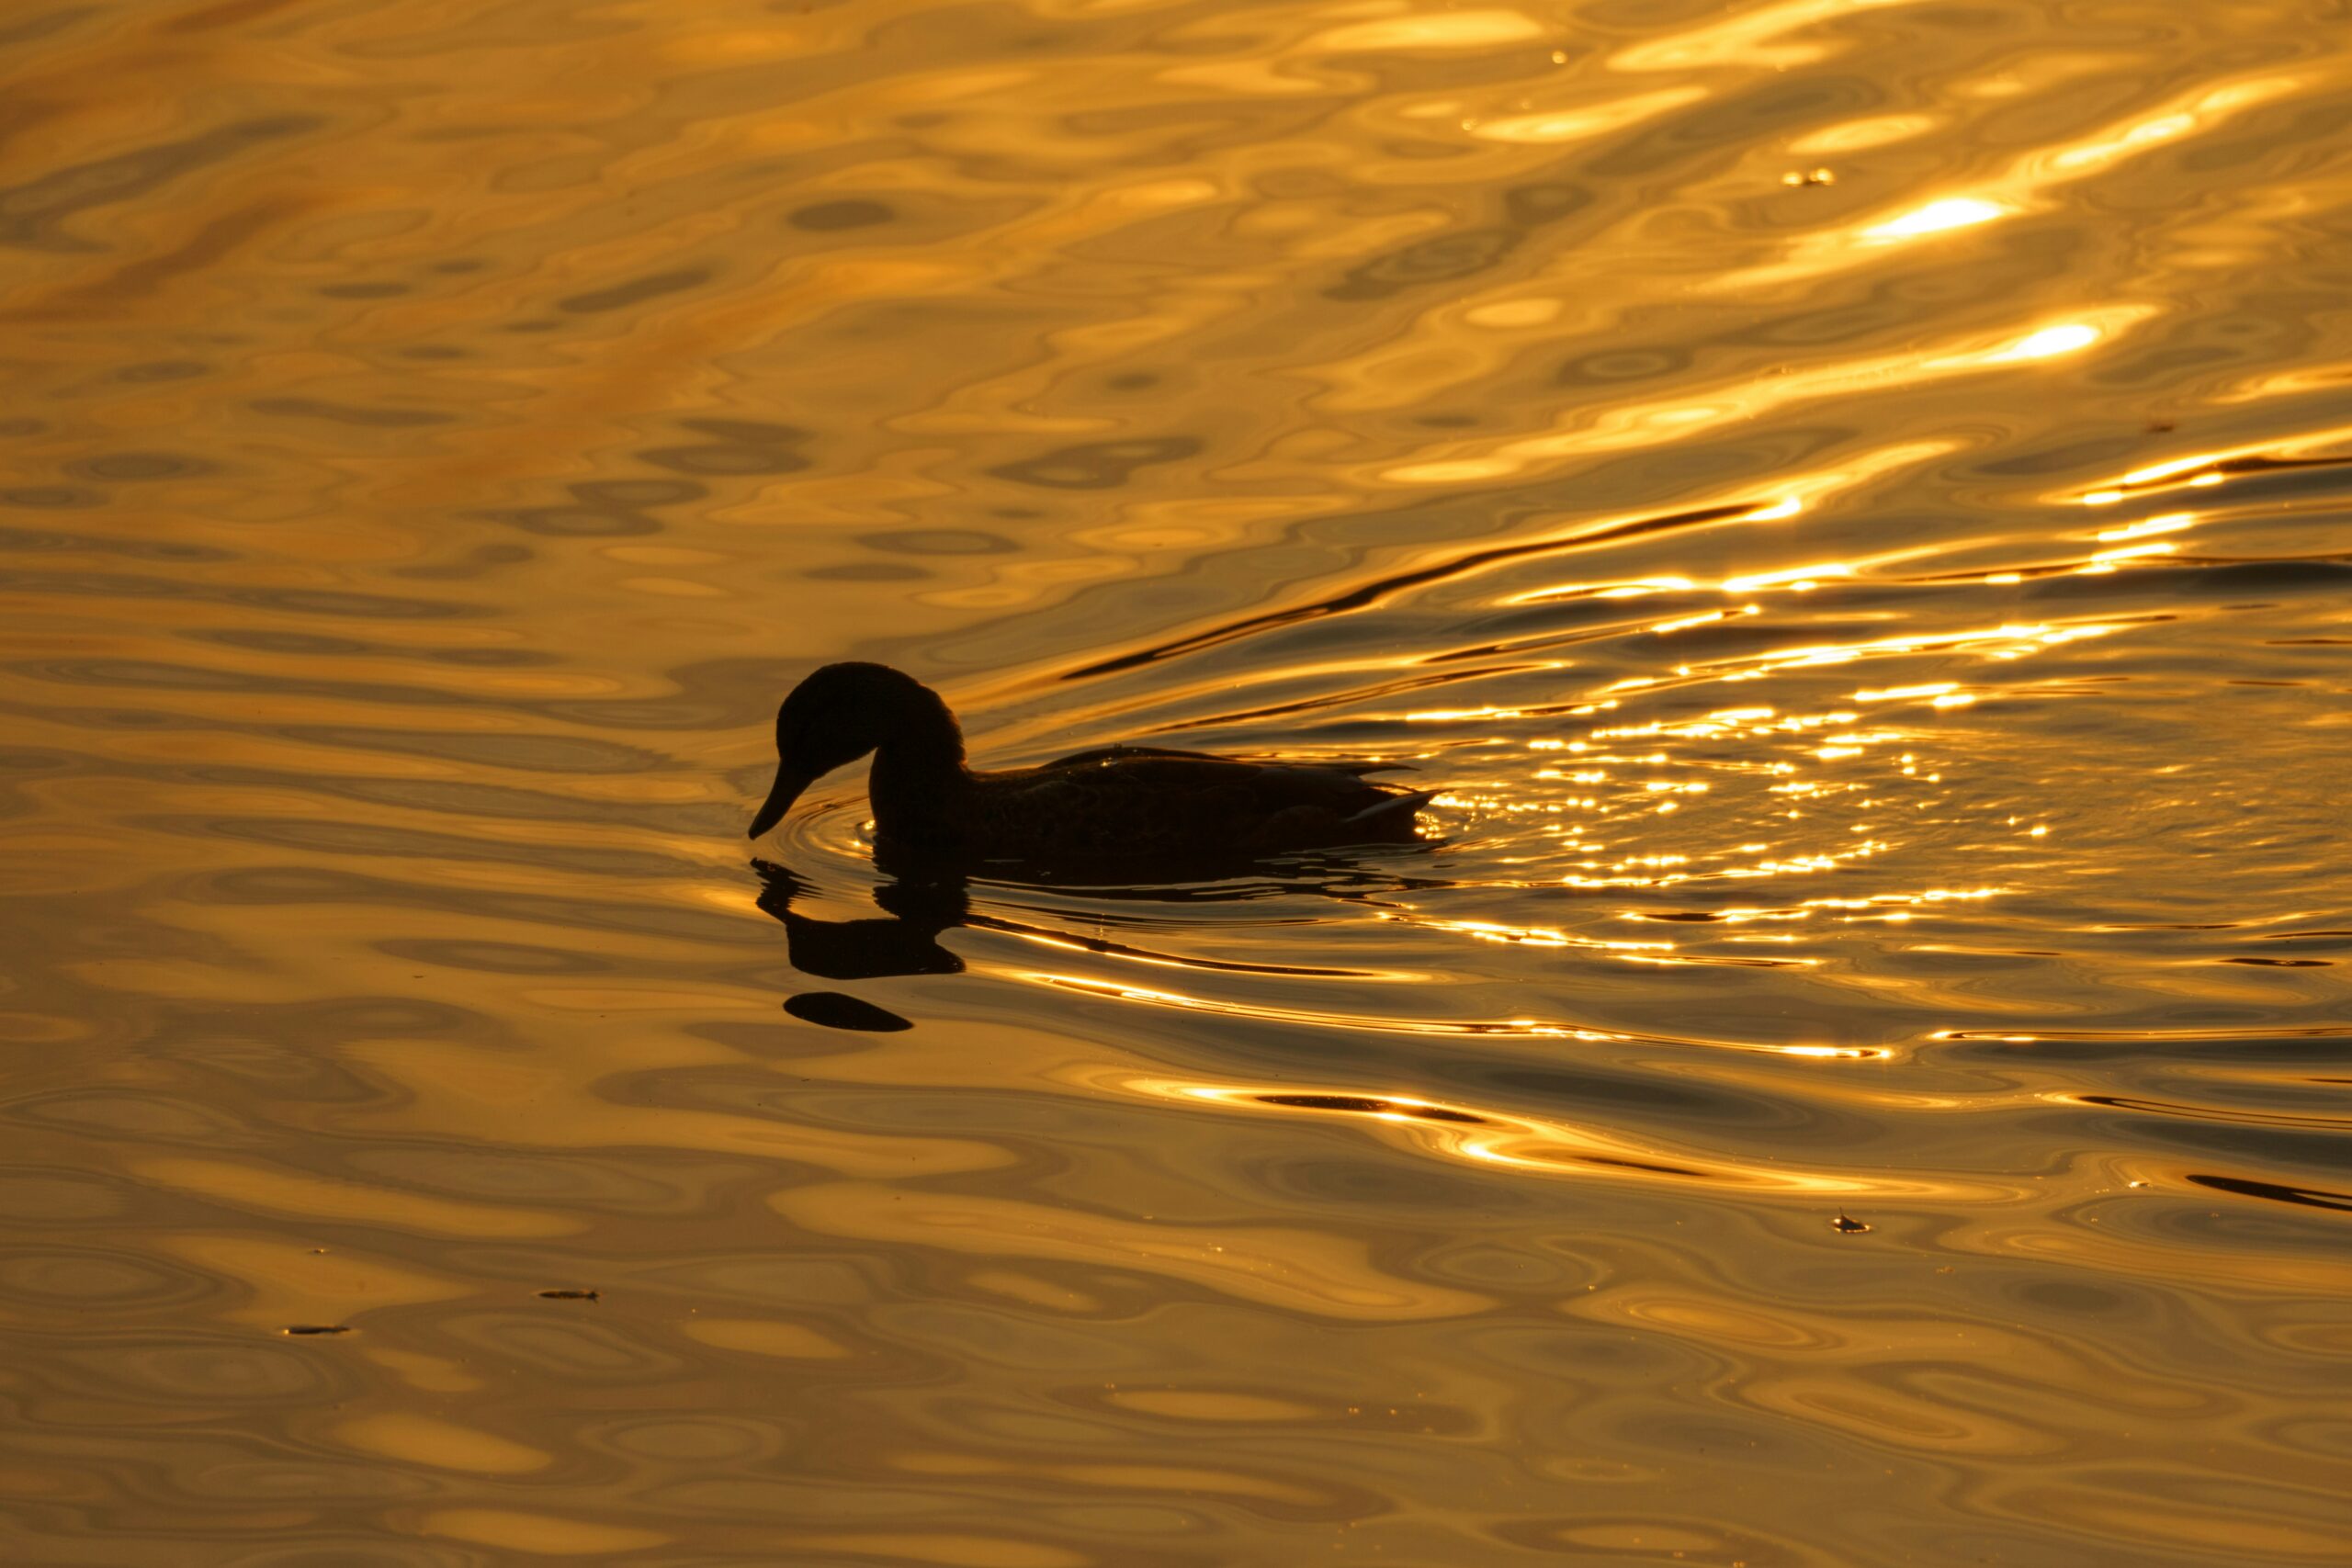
x=1847, y=499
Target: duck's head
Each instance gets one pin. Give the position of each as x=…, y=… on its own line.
x=840, y=713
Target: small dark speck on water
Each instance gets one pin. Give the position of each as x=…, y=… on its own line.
x=568, y=1295
x=305, y=1329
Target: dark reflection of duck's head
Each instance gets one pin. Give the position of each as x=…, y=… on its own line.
x=903, y=941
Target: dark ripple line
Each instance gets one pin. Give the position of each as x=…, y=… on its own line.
x=315, y=645
x=296, y=601
x=354, y=838
x=1382, y=589
x=636, y=290
x=1149, y=955
x=50, y=541
x=1342, y=698
x=319, y=885
x=532, y=754
x=457, y=798
x=450, y=797
x=526, y=753
x=349, y=413
x=2216, y=1114
x=2207, y=575
x=148, y=674
x=32, y=214
x=2277, y=1192
x=50, y=22
x=720, y=694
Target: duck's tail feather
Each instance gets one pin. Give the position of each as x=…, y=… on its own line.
x=1395, y=808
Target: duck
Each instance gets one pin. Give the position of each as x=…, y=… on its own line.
x=1109, y=803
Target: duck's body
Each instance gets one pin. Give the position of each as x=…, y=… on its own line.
x=1116, y=803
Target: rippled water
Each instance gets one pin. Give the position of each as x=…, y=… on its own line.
x=1847, y=499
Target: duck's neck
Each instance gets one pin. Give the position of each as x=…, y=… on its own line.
x=918, y=779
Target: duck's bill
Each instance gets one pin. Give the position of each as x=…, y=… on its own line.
x=788, y=786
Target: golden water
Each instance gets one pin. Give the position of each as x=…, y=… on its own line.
x=1847, y=498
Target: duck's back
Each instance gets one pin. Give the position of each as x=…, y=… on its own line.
x=1137, y=801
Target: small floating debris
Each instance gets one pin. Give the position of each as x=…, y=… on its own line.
x=1846, y=1224
x=1809, y=177
x=568, y=1295
x=305, y=1329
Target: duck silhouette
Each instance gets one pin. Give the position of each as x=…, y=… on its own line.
x=1117, y=803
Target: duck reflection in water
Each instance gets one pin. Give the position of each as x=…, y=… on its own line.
x=920, y=909
x=905, y=940
x=1133, y=804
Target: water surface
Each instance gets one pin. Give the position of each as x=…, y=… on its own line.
x=1848, y=501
